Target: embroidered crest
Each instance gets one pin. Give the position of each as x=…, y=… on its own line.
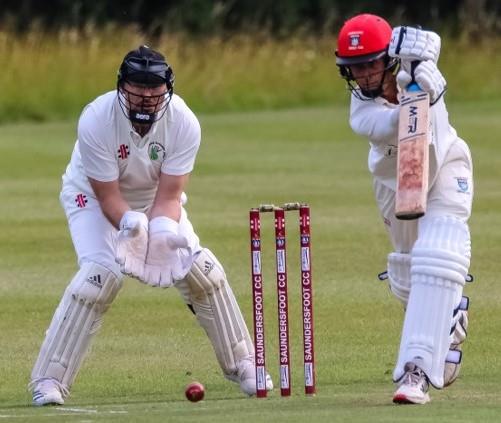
x=354, y=40
x=462, y=184
x=156, y=151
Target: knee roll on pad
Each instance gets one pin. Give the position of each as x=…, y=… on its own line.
x=399, y=275
x=217, y=312
x=443, y=249
x=75, y=322
x=206, y=276
x=439, y=267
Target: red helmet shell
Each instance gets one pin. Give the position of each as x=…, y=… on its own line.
x=363, y=38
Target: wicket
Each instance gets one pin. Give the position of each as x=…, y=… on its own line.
x=282, y=297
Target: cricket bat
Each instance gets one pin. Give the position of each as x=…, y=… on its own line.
x=412, y=157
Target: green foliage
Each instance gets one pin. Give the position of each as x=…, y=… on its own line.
x=47, y=77
x=218, y=17
x=150, y=346
x=66, y=72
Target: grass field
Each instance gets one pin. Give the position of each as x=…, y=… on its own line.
x=150, y=346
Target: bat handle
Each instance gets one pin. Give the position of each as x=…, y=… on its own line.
x=413, y=85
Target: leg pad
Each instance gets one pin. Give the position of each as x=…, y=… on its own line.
x=75, y=322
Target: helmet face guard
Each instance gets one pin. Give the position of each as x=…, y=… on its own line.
x=140, y=108
x=364, y=39
x=390, y=64
x=141, y=77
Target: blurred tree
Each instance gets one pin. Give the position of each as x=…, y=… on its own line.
x=219, y=16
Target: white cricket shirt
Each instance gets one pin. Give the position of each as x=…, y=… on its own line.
x=378, y=121
x=109, y=149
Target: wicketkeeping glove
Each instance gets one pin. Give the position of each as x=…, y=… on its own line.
x=408, y=43
x=164, y=261
x=132, y=243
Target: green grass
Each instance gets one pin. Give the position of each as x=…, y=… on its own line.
x=150, y=346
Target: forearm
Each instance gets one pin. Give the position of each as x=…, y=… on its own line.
x=114, y=209
x=110, y=199
x=168, y=198
x=170, y=207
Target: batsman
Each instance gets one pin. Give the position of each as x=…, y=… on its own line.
x=123, y=195
x=429, y=265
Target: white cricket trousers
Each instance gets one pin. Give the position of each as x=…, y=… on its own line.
x=450, y=194
x=95, y=238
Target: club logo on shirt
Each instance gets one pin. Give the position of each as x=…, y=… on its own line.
x=81, y=200
x=462, y=184
x=123, y=151
x=156, y=151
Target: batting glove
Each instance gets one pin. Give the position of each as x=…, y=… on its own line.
x=408, y=43
x=427, y=76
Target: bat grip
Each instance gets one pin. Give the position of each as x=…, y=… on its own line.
x=413, y=85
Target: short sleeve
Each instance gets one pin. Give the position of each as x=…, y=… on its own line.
x=98, y=159
x=184, y=141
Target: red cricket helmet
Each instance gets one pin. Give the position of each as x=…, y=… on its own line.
x=362, y=39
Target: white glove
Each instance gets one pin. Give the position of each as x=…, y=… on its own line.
x=164, y=261
x=427, y=76
x=132, y=243
x=408, y=43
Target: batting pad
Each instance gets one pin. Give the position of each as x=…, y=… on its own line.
x=218, y=313
x=439, y=265
x=399, y=275
x=75, y=322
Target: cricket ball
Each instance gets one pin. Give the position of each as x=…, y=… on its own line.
x=194, y=391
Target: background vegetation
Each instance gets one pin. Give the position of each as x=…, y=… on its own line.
x=229, y=16
x=56, y=56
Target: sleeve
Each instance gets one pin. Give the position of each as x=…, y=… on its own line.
x=98, y=160
x=375, y=121
x=185, y=141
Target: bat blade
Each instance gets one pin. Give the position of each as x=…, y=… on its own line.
x=412, y=158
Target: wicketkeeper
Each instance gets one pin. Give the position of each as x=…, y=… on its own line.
x=429, y=265
x=123, y=194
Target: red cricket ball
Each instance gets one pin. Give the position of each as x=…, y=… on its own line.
x=194, y=391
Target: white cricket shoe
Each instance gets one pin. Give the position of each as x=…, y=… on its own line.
x=413, y=387
x=246, y=377
x=48, y=391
